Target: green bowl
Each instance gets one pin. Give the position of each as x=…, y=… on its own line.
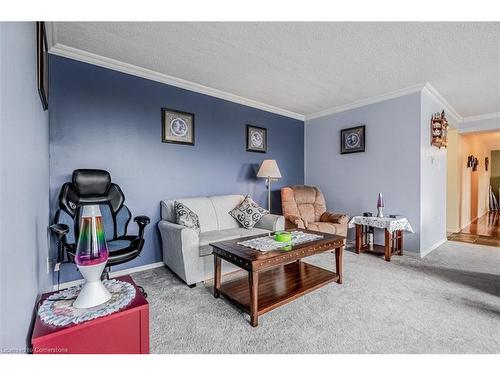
x=283, y=237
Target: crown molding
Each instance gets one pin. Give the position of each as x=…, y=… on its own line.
x=106, y=62
x=486, y=116
x=430, y=90
x=364, y=102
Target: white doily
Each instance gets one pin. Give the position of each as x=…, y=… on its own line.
x=267, y=243
x=58, y=308
x=389, y=223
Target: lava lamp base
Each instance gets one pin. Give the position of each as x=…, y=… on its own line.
x=93, y=292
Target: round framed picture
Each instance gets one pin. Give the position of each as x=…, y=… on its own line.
x=177, y=127
x=352, y=140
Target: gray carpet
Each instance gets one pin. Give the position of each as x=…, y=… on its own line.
x=448, y=302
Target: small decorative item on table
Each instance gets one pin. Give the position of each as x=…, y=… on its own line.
x=283, y=236
x=393, y=228
x=177, y=127
x=380, y=205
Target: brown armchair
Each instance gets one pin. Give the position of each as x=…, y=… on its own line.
x=304, y=207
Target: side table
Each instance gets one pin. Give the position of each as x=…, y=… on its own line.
x=393, y=228
x=123, y=332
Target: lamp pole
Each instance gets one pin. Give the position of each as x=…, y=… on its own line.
x=269, y=194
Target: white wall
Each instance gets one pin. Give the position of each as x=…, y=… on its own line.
x=24, y=184
x=432, y=180
x=391, y=163
x=480, y=124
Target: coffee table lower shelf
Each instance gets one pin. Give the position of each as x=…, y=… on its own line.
x=278, y=286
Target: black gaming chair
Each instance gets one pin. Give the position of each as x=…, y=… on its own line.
x=93, y=186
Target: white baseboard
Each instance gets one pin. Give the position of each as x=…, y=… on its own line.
x=126, y=271
x=433, y=247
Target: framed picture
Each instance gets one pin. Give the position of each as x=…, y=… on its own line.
x=42, y=64
x=177, y=127
x=256, y=139
x=352, y=140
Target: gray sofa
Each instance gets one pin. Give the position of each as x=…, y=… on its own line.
x=188, y=253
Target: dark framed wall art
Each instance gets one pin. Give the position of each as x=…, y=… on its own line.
x=177, y=127
x=42, y=64
x=256, y=139
x=352, y=140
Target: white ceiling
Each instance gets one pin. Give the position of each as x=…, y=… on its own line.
x=308, y=67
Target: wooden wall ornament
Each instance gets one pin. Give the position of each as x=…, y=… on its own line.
x=439, y=130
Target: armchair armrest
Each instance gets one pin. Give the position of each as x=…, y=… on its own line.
x=298, y=221
x=333, y=217
x=142, y=221
x=271, y=222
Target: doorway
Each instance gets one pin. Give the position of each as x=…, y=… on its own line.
x=473, y=214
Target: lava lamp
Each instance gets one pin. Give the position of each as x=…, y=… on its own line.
x=91, y=257
x=380, y=205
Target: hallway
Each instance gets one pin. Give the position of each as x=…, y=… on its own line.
x=482, y=231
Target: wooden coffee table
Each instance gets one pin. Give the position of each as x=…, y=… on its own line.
x=275, y=277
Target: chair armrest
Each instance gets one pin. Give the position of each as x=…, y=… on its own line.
x=298, y=221
x=271, y=222
x=333, y=217
x=59, y=229
x=142, y=221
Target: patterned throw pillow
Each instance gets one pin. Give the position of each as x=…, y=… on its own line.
x=184, y=216
x=248, y=213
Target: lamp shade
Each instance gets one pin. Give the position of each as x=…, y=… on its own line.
x=269, y=168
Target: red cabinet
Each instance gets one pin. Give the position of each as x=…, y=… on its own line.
x=124, y=332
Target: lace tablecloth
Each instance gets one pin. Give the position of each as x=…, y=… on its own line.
x=267, y=243
x=391, y=224
x=58, y=308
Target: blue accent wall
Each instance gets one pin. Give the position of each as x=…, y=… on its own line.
x=100, y=118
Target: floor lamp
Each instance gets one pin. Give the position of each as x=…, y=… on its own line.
x=269, y=170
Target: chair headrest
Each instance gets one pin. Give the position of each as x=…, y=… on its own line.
x=91, y=182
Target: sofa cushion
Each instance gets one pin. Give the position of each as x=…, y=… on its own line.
x=184, y=216
x=248, y=213
x=222, y=205
x=202, y=206
x=223, y=235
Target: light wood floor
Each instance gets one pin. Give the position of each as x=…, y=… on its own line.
x=483, y=231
